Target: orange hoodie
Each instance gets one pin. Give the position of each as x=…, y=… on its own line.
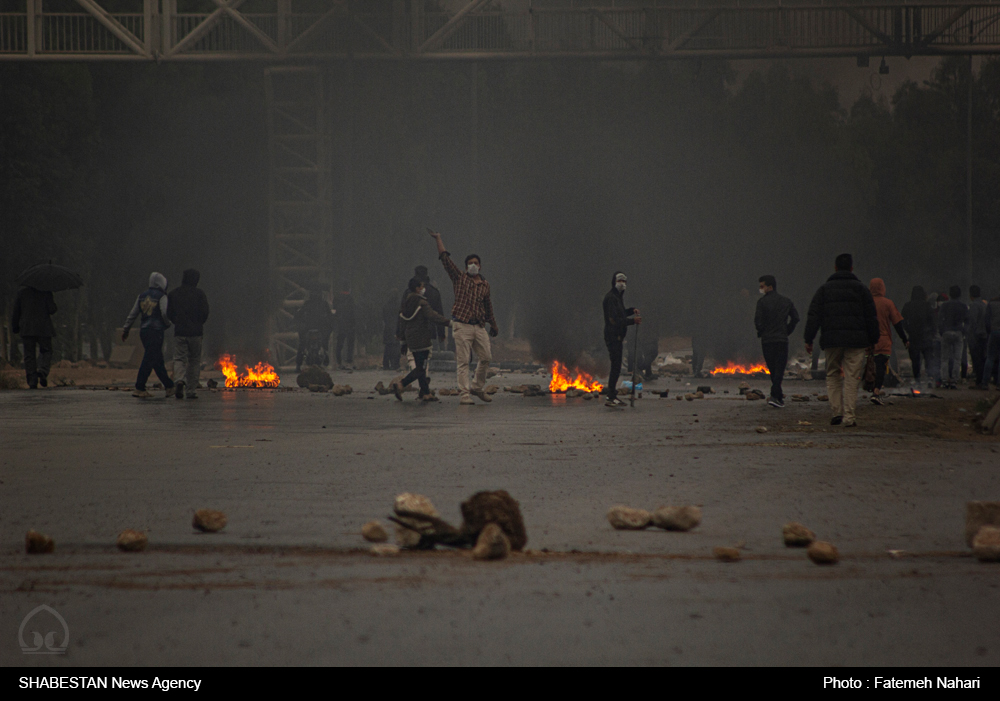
x=888, y=316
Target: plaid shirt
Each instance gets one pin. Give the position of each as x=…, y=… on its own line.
x=472, y=296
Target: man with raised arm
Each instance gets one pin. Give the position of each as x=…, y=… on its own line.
x=469, y=315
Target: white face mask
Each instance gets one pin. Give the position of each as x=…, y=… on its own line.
x=620, y=286
x=473, y=269
x=762, y=290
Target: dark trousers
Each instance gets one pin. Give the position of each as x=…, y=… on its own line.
x=881, y=362
x=776, y=357
x=615, y=351
x=917, y=352
x=152, y=359
x=419, y=373
x=345, y=347
x=977, y=352
x=990, y=370
x=390, y=356
x=37, y=367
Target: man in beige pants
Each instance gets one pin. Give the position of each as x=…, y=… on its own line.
x=472, y=310
x=844, y=309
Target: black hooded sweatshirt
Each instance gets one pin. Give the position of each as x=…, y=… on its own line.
x=617, y=318
x=187, y=306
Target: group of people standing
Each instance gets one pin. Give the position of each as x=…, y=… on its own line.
x=316, y=316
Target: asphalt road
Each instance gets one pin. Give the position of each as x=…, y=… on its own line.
x=289, y=581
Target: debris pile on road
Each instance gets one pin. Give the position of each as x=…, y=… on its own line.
x=314, y=375
x=373, y=532
x=410, y=530
x=132, y=541
x=209, y=521
x=986, y=544
x=796, y=535
x=492, y=544
x=36, y=543
x=823, y=553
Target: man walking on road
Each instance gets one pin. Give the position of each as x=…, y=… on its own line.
x=843, y=310
x=953, y=319
x=33, y=310
x=152, y=306
x=775, y=320
x=470, y=314
x=187, y=307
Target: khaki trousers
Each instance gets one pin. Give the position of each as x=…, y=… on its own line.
x=469, y=339
x=843, y=391
x=187, y=361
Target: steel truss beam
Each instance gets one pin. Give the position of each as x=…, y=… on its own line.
x=494, y=29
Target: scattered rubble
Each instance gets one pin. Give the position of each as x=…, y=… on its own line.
x=209, y=521
x=822, y=398
x=705, y=389
x=726, y=554
x=405, y=505
x=314, y=375
x=500, y=508
x=317, y=388
x=690, y=397
x=36, y=543
x=628, y=519
x=800, y=397
x=979, y=514
x=131, y=541
x=341, y=390
x=212, y=384
x=823, y=553
x=761, y=429
x=381, y=388
x=986, y=544
x=491, y=544
x=677, y=518
x=796, y=535
x=373, y=532
x=386, y=550
x=754, y=394
x=444, y=392
x=744, y=386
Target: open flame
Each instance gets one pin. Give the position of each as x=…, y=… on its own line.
x=562, y=380
x=732, y=368
x=260, y=375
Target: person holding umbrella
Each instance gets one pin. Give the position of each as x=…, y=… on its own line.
x=152, y=306
x=33, y=310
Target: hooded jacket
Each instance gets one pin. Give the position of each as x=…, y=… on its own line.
x=617, y=317
x=188, y=306
x=32, y=311
x=845, y=311
x=152, y=305
x=888, y=317
x=416, y=325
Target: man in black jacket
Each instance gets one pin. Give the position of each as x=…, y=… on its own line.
x=617, y=319
x=32, y=311
x=346, y=327
x=775, y=320
x=843, y=308
x=187, y=308
x=433, y=296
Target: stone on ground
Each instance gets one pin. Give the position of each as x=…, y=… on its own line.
x=36, y=543
x=677, y=518
x=823, y=553
x=796, y=535
x=986, y=544
x=761, y=429
x=132, y=541
x=385, y=550
x=415, y=503
x=373, y=532
x=497, y=507
x=209, y=521
x=625, y=518
x=314, y=375
x=492, y=544
x=979, y=514
x=726, y=554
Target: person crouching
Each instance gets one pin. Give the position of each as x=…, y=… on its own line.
x=416, y=328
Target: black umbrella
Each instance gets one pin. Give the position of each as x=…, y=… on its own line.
x=49, y=278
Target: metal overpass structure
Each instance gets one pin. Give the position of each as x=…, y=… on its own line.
x=293, y=39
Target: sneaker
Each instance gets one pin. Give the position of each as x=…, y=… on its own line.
x=836, y=420
x=877, y=400
x=141, y=394
x=397, y=389
x=428, y=398
x=43, y=380
x=615, y=403
x=482, y=395
x=776, y=403
x=179, y=390
x=466, y=399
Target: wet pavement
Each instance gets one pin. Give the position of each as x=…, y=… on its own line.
x=288, y=580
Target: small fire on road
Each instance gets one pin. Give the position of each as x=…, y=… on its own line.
x=562, y=380
x=732, y=368
x=260, y=375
